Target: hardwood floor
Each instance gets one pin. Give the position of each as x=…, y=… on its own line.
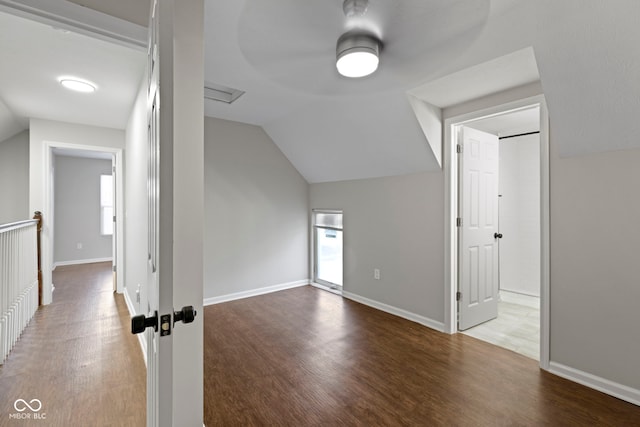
x=78, y=357
x=307, y=357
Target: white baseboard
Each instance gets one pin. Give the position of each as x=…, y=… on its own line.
x=255, y=292
x=81, y=261
x=425, y=321
x=141, y=337
x=620, y=391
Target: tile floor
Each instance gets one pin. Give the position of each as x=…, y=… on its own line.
x=517, y=326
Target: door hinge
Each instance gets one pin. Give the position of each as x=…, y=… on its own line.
x=458, y=148
x=113, y=169
x=458, y=296
x=458, y=222
x=114, y=218
x=114, y=269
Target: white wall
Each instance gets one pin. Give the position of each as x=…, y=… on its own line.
x=520, y=214
x=394, y=224
x=595, y=268
x=256, y=209
x=43, y=134
x=14, y=178
x=135, y=203
x=77, y=210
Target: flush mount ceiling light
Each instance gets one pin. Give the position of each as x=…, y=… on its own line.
x=357, y=55
x=77, y=85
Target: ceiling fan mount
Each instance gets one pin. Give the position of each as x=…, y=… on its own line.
x=355, y=8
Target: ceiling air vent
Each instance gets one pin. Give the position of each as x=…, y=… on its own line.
x=221, y=93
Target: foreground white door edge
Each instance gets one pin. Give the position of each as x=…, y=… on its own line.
x=176, y=212
x=478, y=233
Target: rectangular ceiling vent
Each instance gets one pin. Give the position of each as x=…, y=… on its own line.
x=221, y=93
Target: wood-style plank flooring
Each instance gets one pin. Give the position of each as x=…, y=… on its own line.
x=305, y=357
x=78, y=357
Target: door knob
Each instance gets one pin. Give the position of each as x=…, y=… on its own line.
x=497, y=235
x=186, y=315
x=140, y=322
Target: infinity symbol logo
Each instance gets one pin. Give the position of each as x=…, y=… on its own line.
x=21, y=405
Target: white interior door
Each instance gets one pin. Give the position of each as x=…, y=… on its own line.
x=478, y=234
x=155, y=377
x=175, y=180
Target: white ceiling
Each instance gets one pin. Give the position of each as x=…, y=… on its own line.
x=136, y=11
x=36, y=55
x=282, y=54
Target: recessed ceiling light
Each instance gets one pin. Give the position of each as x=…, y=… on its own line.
x=77, y=85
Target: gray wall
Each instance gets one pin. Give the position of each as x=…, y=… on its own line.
x=595, y=268
x=394, y=224
x=14, y=178
x=135, y=205
x=77, y=209
x=520, y=214
x=256, y=212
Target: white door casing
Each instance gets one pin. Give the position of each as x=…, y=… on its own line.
x=509, y=102
x=114, y=236
x=478, y=204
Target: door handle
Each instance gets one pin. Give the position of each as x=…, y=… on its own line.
x=497, y=235
x=140, y=322
x=186, y=315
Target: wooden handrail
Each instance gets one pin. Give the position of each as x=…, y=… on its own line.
x=38, y=217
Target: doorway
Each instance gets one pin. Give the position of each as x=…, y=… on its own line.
x=513, y=320
x=328, y=250
x=51, y=151
x=508, y=275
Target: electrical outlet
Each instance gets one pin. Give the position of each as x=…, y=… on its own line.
x=376, y=273
x=79, y=246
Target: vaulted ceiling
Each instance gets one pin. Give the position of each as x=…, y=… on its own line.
x=441, y=52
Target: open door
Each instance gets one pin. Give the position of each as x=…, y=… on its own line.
x=478, y=231
x=175, y=184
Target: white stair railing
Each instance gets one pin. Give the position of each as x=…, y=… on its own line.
x=18, y=281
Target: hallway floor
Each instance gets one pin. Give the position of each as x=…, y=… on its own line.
x=517, y=326
x=78, y=357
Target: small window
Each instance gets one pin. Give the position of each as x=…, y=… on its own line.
x=106, y=205
x=328, y=248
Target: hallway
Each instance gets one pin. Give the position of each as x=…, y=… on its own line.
x=77, y=357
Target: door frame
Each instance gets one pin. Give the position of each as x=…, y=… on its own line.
x=49, y=198
x=450, y=169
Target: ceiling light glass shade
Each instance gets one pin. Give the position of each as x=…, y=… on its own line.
x=77, y=85
x=357, y=55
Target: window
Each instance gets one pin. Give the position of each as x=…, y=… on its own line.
x=106, y=205
x=327, y=227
